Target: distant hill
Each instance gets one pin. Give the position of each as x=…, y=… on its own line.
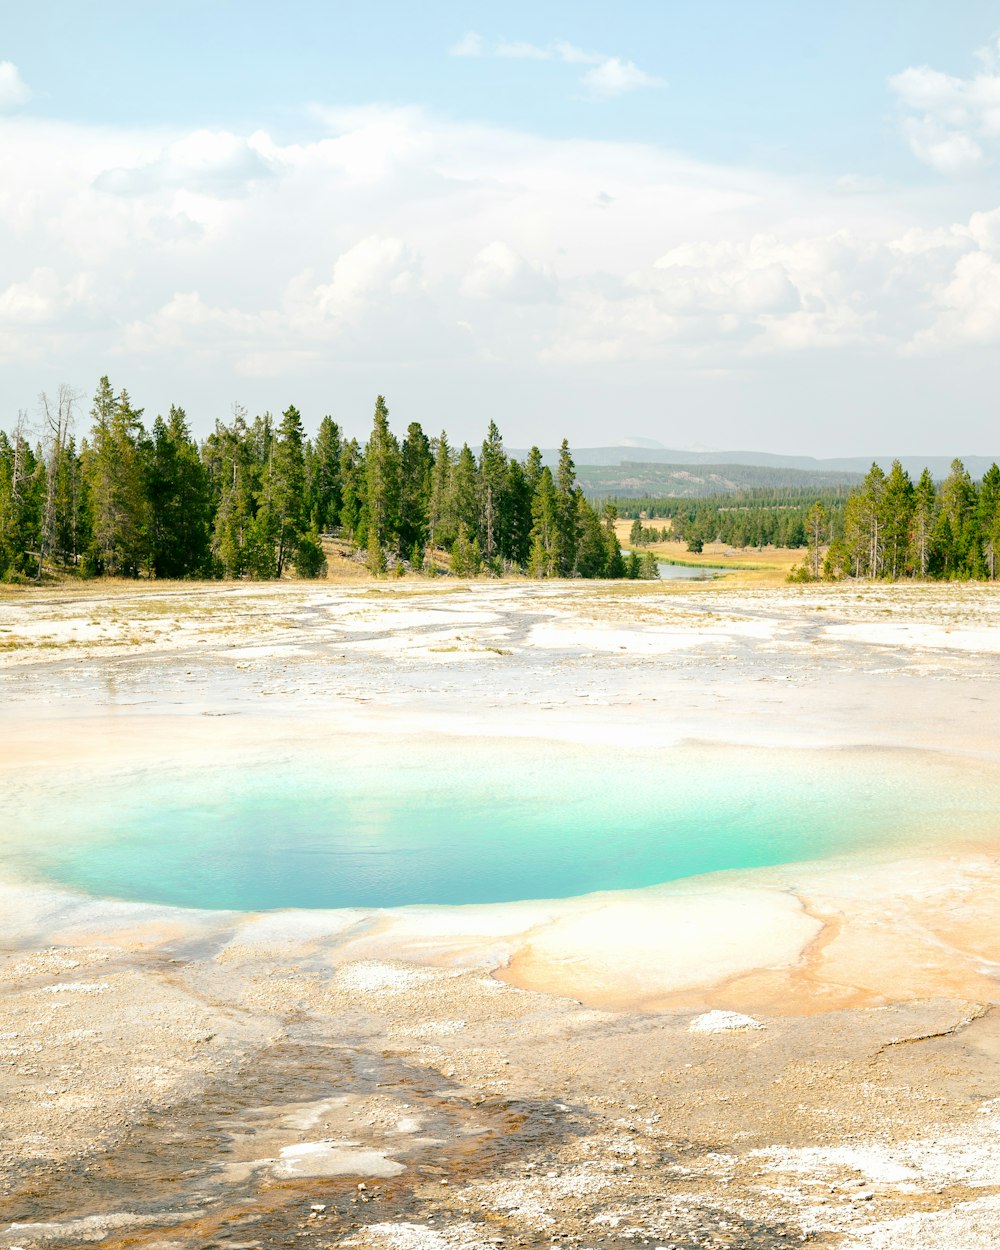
x=633, y=479
x=639, y=470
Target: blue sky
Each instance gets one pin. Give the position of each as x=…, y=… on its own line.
x=785, y=84
x=768, y=225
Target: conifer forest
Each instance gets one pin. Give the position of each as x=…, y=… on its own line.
x=887, y=529
x=256, y=497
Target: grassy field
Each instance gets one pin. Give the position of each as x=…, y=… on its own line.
x=768, y=566
x=752, y=566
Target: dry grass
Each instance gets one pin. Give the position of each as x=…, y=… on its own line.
x=752, y=566
x=340, y=564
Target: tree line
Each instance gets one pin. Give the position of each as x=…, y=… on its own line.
x=896, y=528
x=639, y=484
x=256, y=497
x=889, y=527
x=769, y=496
x=762, y=517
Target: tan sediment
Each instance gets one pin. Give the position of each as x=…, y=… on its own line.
x=627, y=955
x=868, y=949
x=797, y=988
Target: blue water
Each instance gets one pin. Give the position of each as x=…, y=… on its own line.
x=385, y=824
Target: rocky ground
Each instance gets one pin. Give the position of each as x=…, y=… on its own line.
x=195, y=1079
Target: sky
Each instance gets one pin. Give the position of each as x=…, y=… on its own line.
x=714, y=224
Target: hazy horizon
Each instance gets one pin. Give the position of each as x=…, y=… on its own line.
x=768, y=228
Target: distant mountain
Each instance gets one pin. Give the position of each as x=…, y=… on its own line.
x=618, y=455
x=633, y=479
x=634, y=441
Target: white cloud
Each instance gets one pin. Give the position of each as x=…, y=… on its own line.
x=216, y=162
x=573, y=55
x=470, y=44
x=752, y=278
x=984, y=230
x=615, y=77
x=965, y=300
x=952, y=123
x=14, y=91
x=948, y=151
x=44, y=315
x=354, y=315
x=372, y=272
x=740, y=298
x=971, y=305
x=916, y=242
x=609, y=76
x=500, y=273
x=186, y=321
x=558, y=50
x=520, y=51
x=392, y=244
x=41, y=298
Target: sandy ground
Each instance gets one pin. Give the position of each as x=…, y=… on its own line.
x=797, y=1055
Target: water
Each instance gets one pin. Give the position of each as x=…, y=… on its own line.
x=380, y=824
x=686, y=572
x=690, y=572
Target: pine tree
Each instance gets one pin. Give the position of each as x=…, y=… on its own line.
x=515, y=535
x=614, y=564
x=6, y=507
x=352, y=488
x=592, y=552
x=864, y=528
x=416, y=474
x=989, y=519
x=21, y=482
x=815, y=522
x=325, y=497
x=286, y=486
x=566, y=511
x=226, y=459
x=492, y=484
x=382, y=481
x=545, y=557
x=924, y=513
x=955, y=535
x=465, y=492
x=466, y=556
x=177, y=491
x=376, y=553
x=533, y=469
x=58, y=418
x=898, y=516
x=72, y=536
x=115, y=472
x=245, y=532
x=440, y=515
x=309, y=558
x=649, y=569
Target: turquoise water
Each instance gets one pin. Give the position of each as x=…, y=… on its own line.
x=380, y=825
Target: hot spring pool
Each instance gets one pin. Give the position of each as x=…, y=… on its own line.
x=386, y=823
